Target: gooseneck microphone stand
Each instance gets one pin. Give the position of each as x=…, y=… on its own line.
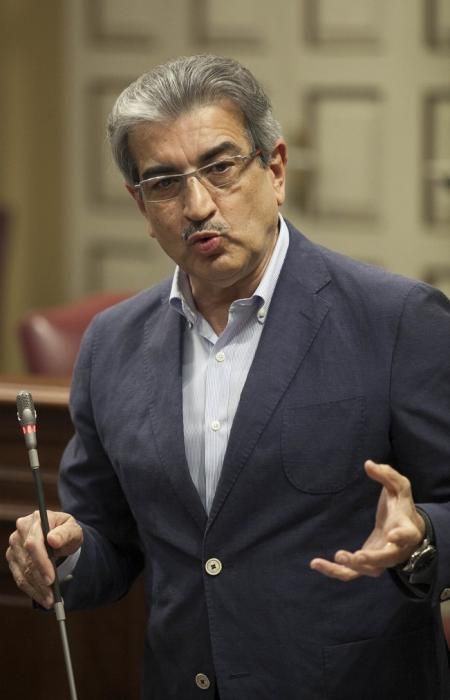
x=26, y=416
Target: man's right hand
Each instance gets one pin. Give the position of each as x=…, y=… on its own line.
x=27, y=556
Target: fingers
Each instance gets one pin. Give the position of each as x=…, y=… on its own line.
x=371, y=562
x=27, y=556
x=333, y=569
x=29, y=546
x=348, y=566
x=28, y=560
x=29, y=580
x=368, y=562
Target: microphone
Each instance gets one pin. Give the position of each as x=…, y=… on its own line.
x=27, y=417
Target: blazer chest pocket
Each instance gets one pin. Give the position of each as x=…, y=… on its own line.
x=322, y=444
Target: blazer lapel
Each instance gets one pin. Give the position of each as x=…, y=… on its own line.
x=163, y=354
x=295, y=316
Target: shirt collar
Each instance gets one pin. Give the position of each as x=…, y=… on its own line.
x=181, y=296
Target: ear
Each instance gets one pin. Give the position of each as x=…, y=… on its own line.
x=277, y=166
x=136, y=194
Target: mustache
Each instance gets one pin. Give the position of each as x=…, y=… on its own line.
x=201, y=226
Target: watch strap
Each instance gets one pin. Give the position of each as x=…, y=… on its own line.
x=420, y=566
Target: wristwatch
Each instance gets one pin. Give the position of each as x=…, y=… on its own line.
x=418, y=569
x=420, y=559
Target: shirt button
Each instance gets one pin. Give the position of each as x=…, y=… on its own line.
x=215, y=425
x=220, y=356
x=202, y=681
x=261, y=315
x=213, y=567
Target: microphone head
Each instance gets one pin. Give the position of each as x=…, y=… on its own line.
x=26, y=413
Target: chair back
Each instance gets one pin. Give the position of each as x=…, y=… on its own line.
x=50, y=338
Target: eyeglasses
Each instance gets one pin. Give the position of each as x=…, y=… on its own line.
x=219, y=175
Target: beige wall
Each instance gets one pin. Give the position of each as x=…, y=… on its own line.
x=31, y=161
x=354, y=94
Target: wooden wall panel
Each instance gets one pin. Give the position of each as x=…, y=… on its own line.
x=437, y=23
x=116, y=24
x=436, y=168
x=104, y=184
x=234, y=24
x=118, y=265
x=345, y=128
x=344, y=21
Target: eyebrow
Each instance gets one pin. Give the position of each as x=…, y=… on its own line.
x=223, y=148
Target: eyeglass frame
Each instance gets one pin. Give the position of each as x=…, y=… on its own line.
x=246, y=159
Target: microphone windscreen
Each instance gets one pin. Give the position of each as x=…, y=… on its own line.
x=24, y=401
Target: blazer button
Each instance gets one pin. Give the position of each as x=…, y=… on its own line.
x=445, y=594
x=213, y=567
x=202, y=681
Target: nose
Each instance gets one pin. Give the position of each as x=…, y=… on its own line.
x=198, y=204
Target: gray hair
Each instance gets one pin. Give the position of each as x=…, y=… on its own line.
x=176, y=87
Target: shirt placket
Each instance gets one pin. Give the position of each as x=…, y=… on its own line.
x=216, y=425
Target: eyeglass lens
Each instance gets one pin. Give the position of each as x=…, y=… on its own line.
x=218, y=174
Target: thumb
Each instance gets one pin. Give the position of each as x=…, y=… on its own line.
x=388, y=477
x=66, y=537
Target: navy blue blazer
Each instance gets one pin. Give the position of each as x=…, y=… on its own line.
x=353, y=363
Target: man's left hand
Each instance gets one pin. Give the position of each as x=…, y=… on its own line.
x=399, y=530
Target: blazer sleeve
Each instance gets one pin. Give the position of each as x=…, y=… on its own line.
x=420, y=404
x=89, y=489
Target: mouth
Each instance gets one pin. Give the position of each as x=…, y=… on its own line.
x=205, y=243
x=204, y=229
x=202, y=237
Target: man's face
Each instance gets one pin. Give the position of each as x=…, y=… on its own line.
x=238, y=224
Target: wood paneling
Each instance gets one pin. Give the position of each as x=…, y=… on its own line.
x=106, y=645
x=234, y=24
x=104, y=184
x=437, y=23
x=436, y=168
x=346, y=135
x=344, y=21
x=116, y=24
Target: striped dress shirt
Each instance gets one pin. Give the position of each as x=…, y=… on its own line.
x=215, y=369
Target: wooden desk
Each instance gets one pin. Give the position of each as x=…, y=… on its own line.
x=106, y=644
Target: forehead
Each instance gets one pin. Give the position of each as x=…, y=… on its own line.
x=183, y=141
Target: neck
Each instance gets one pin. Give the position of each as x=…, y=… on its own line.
x=215, y=309
x=214, y=301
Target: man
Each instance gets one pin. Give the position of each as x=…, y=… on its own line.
x=226, y=421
